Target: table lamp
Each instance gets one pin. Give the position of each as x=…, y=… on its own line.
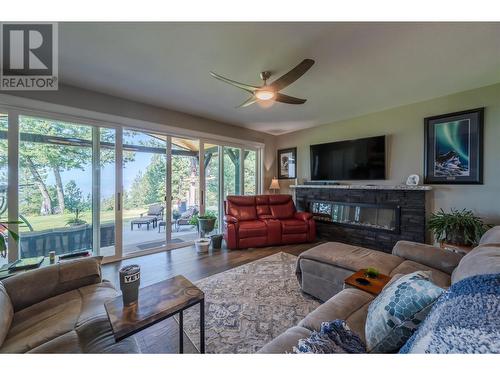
x=275, y=185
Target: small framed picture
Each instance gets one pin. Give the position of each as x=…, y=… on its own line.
x=454, y=148
x=287, y=163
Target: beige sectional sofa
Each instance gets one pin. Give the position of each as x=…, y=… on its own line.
x=59, y=309
x=322, y=269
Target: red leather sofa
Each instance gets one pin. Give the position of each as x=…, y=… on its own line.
x=265, y=220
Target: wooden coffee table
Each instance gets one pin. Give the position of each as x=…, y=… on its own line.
x=157, y=302
x=375, y=285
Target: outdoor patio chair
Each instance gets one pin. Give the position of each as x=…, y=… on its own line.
x=186, y=217
x=155, y=213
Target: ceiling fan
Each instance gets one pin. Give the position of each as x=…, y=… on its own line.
x=271, y=92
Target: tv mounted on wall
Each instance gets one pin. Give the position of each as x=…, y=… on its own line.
x=359, y=159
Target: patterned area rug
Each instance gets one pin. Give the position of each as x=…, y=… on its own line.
x=248, y=306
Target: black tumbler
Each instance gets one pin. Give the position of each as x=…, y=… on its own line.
x=130, y=278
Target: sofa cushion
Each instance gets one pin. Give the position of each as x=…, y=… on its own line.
x=480, y=261
x=357, y=320
x=6, y=313
x=352, y=258
x=252, y=228
x=51, y=281
x=321, y=280
x=282, y=206
x=95, y=336
x=293, y=226
x=438, y=277
x=431, y=256
x=283, y=211
x=262, y=206
x=345, y=306
x=43, y=322
x=55, y=317
x=491, y=237
x=398, y=310
x=241, y=207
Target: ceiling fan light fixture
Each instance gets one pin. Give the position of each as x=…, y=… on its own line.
x=264, y=94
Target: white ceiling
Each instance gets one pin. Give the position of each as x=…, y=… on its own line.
x=360, y=67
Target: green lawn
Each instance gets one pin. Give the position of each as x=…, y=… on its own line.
x=57, y=221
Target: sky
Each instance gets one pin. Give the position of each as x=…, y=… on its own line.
x=83, y=178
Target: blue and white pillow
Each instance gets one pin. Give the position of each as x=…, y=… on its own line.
x=464, y=320
x=398, y=310
x=334, y=337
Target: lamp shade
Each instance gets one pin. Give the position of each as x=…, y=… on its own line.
x=275, y=185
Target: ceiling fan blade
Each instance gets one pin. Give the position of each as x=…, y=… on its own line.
x=288, y=99
x=240, y=85
x=248, y=102
x=292, y=75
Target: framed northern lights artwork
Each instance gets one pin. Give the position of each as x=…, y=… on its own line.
x=454, y=148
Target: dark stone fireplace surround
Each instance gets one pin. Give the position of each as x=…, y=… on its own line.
x=410, y=203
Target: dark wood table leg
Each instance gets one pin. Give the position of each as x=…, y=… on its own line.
x=181, y=332
x=202, y=326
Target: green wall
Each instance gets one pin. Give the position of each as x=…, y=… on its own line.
x=405, y=128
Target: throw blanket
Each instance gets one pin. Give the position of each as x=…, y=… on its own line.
x=465, y=319
x=334, y=337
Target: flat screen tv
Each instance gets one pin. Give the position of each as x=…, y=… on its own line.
x=359, y=159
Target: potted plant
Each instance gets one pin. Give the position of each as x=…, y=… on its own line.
x=372, y=273
x=461, y=228
x=206, y=223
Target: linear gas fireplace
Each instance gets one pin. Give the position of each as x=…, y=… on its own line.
x=369, y=216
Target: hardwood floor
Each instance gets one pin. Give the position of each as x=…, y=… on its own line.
x=163, y=337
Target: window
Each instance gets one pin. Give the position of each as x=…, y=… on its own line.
x=55, y=186
x=70, y=174
x=250, y=172
x=231, y=171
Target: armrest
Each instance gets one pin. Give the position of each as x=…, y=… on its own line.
x=230, y=219
x=428, y=255
x=31, y=287
x=303, y=215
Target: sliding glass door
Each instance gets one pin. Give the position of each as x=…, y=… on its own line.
x=185, y=190
x=104, y=202
x=212, y=191
x=232, y=172
x=250, y=172
x=144, y=181
x=87, y=187
x=56, y=191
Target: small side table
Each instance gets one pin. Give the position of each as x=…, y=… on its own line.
x=375, y=285
x=157, y=302
x=140, y=222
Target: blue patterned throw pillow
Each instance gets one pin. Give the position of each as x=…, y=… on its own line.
x=396, y=312
x=334, y=337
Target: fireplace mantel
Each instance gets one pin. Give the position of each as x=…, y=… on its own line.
x=365, y=187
